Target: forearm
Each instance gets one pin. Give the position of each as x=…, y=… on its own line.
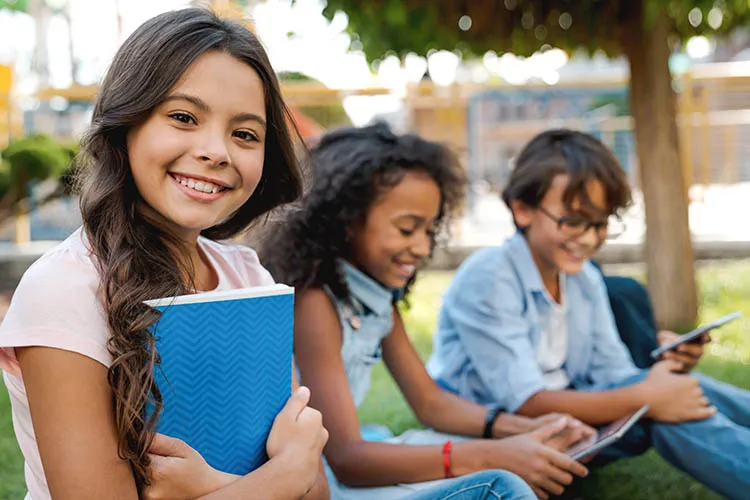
x=274, y=481
x=320, y=489
x=384, y=464
x=455, y=415
x=592, y=407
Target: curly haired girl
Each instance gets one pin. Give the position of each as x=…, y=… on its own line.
x=352, y=249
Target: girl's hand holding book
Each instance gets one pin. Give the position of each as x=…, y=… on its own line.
x=298, y=437
x=178, y=472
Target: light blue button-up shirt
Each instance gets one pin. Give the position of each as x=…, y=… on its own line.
x=489, y=328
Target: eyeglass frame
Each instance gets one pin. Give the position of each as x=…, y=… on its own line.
x=597, y=226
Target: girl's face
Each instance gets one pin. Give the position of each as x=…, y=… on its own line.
x=396, y=234
x=199, y=156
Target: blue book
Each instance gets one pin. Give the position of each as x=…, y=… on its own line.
x=226, y=371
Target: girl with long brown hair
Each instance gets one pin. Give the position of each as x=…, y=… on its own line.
x=188, y=144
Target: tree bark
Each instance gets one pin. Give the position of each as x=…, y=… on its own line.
x=669, y=252
x=39, y=10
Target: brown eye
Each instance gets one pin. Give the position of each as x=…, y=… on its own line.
x=574, y=223
x=246, y=136
x=183, y=118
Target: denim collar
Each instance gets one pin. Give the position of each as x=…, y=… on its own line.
x=366, y=290
x=528, y=272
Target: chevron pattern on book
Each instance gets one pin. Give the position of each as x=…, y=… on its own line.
x=225, y=374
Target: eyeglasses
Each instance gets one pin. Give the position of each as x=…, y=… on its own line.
x=575, y=226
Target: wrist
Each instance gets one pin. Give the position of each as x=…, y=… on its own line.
x=217, y=479
x=447, y=466
x=467, y=457
x=490, y=420
x=641, y=393
x=508, y=424
x=291, y=465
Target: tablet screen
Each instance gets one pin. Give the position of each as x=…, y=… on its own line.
x=612, y=432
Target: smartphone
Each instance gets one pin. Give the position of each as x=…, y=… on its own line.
x=693, y=335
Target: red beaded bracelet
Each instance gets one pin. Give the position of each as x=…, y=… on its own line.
x=447, y=459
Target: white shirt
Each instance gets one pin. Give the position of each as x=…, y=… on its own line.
x=553, y=343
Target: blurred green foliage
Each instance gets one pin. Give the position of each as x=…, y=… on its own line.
x=327, y=116
x=34, y=159
x=522, y=26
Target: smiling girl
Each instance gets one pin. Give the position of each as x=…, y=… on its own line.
x=188, y=144
x=352, y=249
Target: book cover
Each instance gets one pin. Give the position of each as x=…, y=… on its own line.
x=226, y=371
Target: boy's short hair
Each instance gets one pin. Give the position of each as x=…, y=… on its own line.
x=564, y=151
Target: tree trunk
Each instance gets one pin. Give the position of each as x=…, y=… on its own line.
x=39, y=10
x=74, y=66
x=669, y=251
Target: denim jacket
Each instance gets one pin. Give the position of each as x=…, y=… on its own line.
x=366, y=320
x=487, y=339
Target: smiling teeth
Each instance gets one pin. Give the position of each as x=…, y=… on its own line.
x=575, y=254
x=408, y=268
x=202, y=186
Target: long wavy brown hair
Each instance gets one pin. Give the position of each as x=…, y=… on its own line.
x=137, y=259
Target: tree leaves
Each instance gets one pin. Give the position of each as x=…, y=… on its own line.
x=521, y=26
x=19, y=5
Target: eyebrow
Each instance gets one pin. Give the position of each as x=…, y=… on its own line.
x=198, y=103
x=595, y=216
x=413, y=218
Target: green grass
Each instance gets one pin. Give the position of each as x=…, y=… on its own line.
x=724, y=287
x=12, y=484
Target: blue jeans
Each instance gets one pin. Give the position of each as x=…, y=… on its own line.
x=486, y=485
x=715, y=451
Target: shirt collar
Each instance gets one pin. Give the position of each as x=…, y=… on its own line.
x=525, y=265
x=369, y=292
x=528, y=271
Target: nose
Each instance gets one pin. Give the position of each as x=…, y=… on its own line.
x=591, y=238
x=212, y=150
x=421, y=246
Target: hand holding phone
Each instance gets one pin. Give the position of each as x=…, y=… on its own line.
x=695, y=335
x=688, y=354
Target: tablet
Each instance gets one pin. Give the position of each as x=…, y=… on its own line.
x=606, y=437
x=692, y=335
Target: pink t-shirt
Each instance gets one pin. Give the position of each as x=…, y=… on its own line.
x=58, y=304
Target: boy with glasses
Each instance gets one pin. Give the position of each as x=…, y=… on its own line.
x=528, y=327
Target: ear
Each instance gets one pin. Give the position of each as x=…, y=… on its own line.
x=523, y=214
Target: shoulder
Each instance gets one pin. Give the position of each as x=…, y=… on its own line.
x=486, y=283
x=314, y=300
x=315, y=312
x=242, y=259
x=59, y=303
x=69, y=267
x=590, y=279
x=486, y=267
